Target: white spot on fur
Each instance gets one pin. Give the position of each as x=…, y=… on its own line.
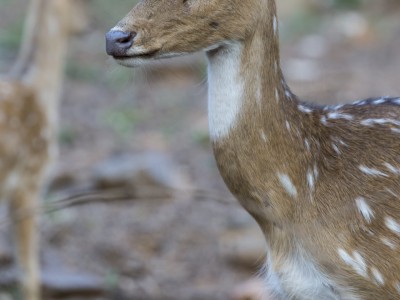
x=397, y=286
x=378, y=276
x=324, y=120
x=356, y=261
x=392, y=168
x=288, y=126
x=310, y=180
x=392, y=245
x=360, y=102
x=316, y=172
x=391, y=192
x=259, y=94
x=392, y=225
x=263, y=136
x=336, y=116
x=371, y=122
x=305, y=109
x=288, y=185
x=275, y=24
x=336, y=149
x=364, y=209
x=225, y=90
x=307, y=144
x=371, y=171
x=379, y=101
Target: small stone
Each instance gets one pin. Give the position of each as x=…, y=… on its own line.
x=64, y=284
x=63, y=180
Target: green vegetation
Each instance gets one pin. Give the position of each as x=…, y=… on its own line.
x=201, y=137
x=112, y=279
x=10, y=30
x=303, y=22
x=348, y=4
x=67, y=136
x=79, y=70
x=10, y=37
x=122, y=120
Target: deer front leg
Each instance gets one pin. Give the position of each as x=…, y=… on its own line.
x=25, y=223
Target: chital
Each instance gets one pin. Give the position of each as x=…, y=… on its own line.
x=29, y=98
x=323, y=183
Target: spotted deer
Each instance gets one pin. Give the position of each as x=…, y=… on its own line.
x=29, y=97
x=323, y=182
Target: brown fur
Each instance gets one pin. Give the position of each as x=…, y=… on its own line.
x=321, y=149
x=28, y=125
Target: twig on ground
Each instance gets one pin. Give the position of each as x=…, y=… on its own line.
x=113, y=195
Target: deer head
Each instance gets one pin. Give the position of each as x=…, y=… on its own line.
x=157, y=29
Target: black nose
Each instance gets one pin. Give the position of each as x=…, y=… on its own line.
x=118, y=42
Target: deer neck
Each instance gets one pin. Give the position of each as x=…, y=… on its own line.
x=43, y=52
x=252, y=116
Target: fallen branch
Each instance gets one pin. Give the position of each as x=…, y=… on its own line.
x=113, y=195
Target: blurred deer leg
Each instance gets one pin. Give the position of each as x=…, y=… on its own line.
x=25, y=223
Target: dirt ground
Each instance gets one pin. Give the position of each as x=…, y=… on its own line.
x=187, y=246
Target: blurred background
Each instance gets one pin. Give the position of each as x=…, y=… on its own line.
x=182, y=236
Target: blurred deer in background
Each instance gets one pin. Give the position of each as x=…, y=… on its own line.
x=29, y=98
x=323, y=183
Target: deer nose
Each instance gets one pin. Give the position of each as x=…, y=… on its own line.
x=118, y=42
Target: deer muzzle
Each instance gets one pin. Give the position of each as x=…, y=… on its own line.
x=119, y=42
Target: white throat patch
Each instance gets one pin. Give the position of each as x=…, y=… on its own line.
x=225, y=90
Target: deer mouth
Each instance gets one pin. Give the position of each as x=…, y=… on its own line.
x=146, y=55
